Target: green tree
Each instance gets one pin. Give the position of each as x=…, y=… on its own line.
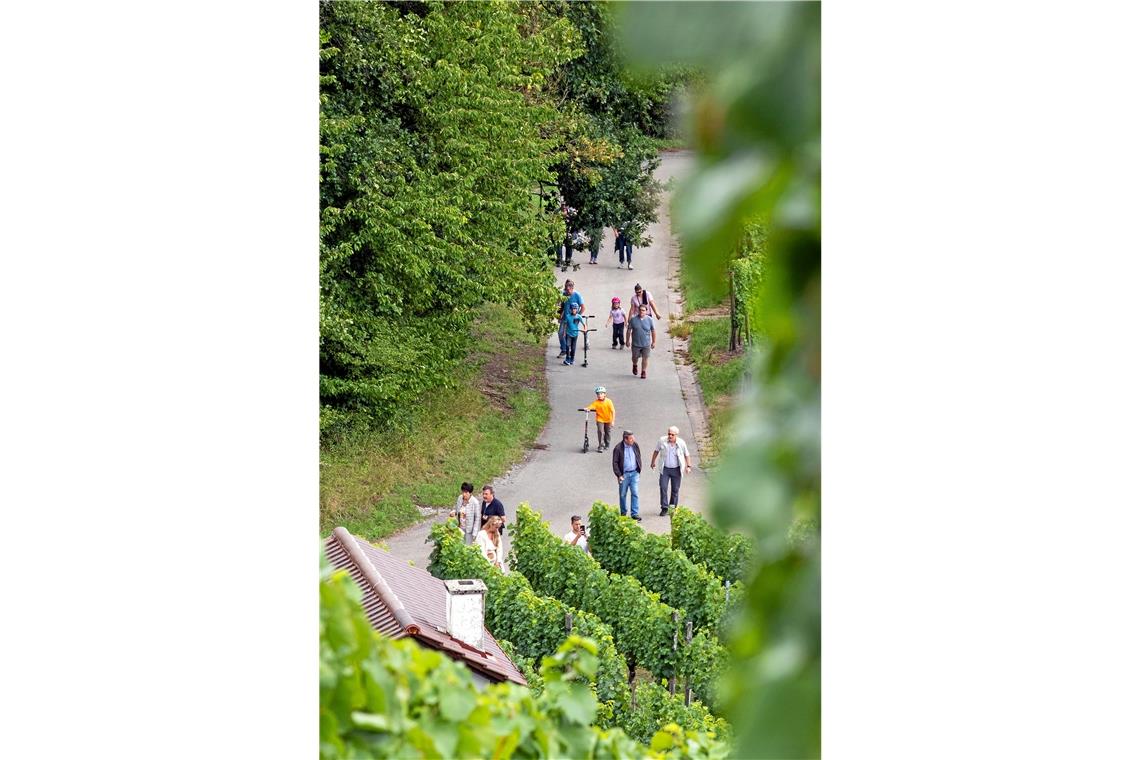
x=607, y=120
x=434, y=135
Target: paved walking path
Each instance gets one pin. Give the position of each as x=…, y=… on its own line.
x=557, y=479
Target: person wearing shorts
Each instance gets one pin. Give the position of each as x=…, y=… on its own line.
x=642, y=336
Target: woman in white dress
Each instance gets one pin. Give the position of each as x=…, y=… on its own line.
x=490, y=543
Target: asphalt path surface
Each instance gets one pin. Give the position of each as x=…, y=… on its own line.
x=556, y=478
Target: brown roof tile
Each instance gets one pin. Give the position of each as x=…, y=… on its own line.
x=401, y=600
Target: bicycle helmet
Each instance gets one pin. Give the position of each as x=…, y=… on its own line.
x=615, y=299
x=600, y=389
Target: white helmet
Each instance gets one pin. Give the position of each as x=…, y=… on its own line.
x=600, y=389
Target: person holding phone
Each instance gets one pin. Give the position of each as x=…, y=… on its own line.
x=577, y=534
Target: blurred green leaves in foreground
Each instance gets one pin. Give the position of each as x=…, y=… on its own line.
x=755, y=126
x=386, y=698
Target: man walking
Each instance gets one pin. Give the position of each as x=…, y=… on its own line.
x=672, y=448
x=492, y=506
x=627, y=469
x=624, y=247
x=642, y=336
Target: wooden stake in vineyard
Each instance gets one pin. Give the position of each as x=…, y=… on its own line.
x=632, y=691
x=673, y=678
x=688, y=641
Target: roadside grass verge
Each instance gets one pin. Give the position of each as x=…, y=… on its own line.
x=699, y=296
x=719, y=372
x=670, y=143
x=373, y=483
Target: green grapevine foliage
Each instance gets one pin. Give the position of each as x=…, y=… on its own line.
x=643, y=626
x=623, y=546
x=535, y=625
x=727, y=555
x=383, y=698
x=514, y=609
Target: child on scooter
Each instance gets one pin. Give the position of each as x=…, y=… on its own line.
x=604, y=414
x=574, y=323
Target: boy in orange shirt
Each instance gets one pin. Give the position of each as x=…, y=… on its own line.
x=604, y=414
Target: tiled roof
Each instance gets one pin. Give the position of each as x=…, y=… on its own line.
x=401, y=600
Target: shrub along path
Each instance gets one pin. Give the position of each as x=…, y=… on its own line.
x=556, y=478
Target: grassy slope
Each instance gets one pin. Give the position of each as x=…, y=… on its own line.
x=719, y=373
x=372, y=485
x=718, y=370
x=698, y=297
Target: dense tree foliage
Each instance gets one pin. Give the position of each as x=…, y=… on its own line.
x=451, y=133
x=432, y=148
x=608, y=119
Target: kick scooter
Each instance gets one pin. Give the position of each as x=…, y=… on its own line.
x=586, y=342
x=586, y=431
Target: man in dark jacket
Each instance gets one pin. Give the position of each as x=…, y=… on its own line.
x=627, y=468
x=492, y=506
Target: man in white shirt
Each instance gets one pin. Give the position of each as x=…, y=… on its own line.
x=672, y=448
x=577, y=534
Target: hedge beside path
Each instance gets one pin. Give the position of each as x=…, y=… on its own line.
x=643, y=626
x=727, y=555
x=620, y=545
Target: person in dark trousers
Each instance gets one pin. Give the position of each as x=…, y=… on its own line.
x=617, y=318
x=492, y=506
x=575, y=323
x=674, y=453
x=624, y=248
x=627, y=469
x=642, y=338
x=568, y=297
x=595, y=243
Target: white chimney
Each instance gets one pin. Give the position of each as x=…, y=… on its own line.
x=465, y=611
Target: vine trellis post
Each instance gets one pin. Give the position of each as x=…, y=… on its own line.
x=673, y=678
x=688, y=641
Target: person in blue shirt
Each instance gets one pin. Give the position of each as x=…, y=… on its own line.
x=627, y=469
x=568, y=297
x=575, y=323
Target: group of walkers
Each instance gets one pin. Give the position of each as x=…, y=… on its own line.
x=488, y=514
x=482, y=520
x=634, y=327
x=674, y=453
x=626, y=459
x=578, y=240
